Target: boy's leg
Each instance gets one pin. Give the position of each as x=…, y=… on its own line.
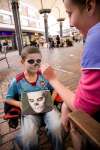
x=27, y=139
x=55, y=131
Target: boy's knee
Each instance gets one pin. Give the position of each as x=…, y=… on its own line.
x=29, y=136
x=56, y=129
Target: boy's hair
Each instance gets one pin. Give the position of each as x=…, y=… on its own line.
x=29, y=50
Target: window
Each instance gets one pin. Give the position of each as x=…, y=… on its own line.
x=32, y=23
x=5, y=18
x=1, y=18
x=24, y=21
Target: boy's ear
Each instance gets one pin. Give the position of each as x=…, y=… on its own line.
x=91, y=7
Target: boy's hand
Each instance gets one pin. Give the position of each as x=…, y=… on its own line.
x=48, y=72
x=54, y=94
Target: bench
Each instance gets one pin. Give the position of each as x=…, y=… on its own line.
x=3, y=56
x=88, y=128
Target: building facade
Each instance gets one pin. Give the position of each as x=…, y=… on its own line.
x=30, y=23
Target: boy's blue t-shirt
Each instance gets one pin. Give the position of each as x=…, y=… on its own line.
x=17, y=86
x=20, y=85
x=91, y=53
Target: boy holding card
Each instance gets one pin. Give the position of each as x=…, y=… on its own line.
x=31, y=92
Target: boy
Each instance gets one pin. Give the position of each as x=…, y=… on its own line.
x=30, y=86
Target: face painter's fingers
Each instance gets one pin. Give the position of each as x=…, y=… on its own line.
x=44, y=67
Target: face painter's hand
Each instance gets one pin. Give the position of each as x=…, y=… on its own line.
x=48, y=72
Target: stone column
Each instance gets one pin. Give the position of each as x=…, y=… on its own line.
x=60, y=20
x=46, y=26
x=16, y=16
x=45, y=12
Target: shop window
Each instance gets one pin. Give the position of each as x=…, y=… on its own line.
x=23, y=10
x=5, y=18
x=24, y=21
x=1, y=18
x=32, y=23
x=33, y=13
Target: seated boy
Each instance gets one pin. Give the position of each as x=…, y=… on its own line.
x=33, y=89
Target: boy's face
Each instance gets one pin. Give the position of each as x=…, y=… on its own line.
x=32, y=63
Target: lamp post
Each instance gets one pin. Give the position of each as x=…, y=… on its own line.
x=60, y=20
x=45, y=12
x=15, y=11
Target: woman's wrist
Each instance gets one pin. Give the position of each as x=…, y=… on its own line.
x=64, y=109
x=53, y=81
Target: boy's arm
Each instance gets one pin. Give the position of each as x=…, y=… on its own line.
x=54, y=94
x=13, y=102
x=12, y=97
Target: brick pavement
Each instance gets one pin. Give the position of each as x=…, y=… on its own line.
x=64, y=59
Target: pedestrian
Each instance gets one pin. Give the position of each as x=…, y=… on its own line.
x=5, y=46
x=0, y=47
x=51, y=43
x=85, y=16
x=57, y=41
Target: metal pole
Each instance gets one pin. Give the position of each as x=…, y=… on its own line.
x=61, y=33
x=46, y=26
x=41, y=4
x=45, y=12
x=60, y=20
x=15, y=10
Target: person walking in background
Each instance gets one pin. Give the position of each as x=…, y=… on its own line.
x=58, y=41
x=5, y=46
x=0, y=47
x=51, y=43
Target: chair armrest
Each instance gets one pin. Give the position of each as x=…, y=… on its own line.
x=86, y=125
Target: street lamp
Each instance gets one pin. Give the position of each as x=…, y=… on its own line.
x=16, y=16
x=60, y=20
x=45, y=12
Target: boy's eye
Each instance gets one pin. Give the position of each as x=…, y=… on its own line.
x=32, y=61
x=38, y=61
